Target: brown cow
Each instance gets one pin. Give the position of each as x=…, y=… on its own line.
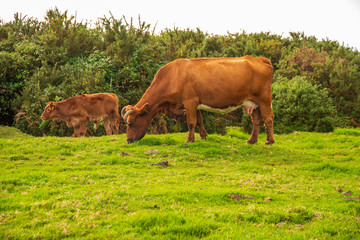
x=79, y=110
x=213, y=84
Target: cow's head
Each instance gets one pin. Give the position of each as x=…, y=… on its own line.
x=49, y=112
x=137, y=121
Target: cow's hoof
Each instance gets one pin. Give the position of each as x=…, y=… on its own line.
x=269, y=142
x=203, y=137
x=187, y=141
x=251, y=141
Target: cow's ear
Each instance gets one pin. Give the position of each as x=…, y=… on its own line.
x=144, y=109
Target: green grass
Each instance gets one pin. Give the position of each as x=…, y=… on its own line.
x=218, y=188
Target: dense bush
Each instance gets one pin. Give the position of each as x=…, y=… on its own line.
x=59, y=57
x=299, y=105
x=337, y=70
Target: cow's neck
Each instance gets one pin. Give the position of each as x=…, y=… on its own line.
x=155, y=97
x=154, y=105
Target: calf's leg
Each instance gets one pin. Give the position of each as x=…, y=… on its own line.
x=82, y=128
x=107, y=126
x=114, y=123
x=76, y=130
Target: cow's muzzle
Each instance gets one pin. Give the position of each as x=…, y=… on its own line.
x=131, y=140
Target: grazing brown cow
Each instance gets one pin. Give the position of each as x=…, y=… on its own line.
x=213, y=84
x=79, y=110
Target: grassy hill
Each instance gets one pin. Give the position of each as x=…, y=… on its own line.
x=305, y=186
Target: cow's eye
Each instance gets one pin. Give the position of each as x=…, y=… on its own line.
x=131, y=124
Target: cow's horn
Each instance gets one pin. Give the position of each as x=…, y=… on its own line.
x=127, y=114
x=123, y=111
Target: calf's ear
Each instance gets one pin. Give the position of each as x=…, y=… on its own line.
x=144, y=109
x=52, y=106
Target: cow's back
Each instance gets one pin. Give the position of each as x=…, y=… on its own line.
x=228, y=81
x=216, y=69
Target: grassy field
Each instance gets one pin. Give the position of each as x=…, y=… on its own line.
x=305, y=186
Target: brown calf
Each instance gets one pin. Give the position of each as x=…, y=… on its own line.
x=79, y=110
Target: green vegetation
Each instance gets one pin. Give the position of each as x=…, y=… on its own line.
x=218, y=188
x=59, y=57
x=302, y=106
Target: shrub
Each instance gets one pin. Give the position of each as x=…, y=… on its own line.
x=338, y=71
x=299, y=105
x=14, y=68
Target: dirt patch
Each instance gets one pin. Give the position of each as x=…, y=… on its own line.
x=238, y=197
x=153, y=152
x=268, y=199
x=347, y=193
x=125, y=154
x=352, y=199
x=163, y=163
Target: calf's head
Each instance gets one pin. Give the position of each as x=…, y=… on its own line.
x=49, y=112
x=137, y=121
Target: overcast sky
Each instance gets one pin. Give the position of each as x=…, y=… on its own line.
x=334, y=19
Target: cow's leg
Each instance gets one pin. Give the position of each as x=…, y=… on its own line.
x=200, y=124
x=191, y=112
x=267, y=116
x=107, y=126
x=256, y=122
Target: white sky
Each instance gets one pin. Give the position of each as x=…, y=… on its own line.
x=334, y=19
